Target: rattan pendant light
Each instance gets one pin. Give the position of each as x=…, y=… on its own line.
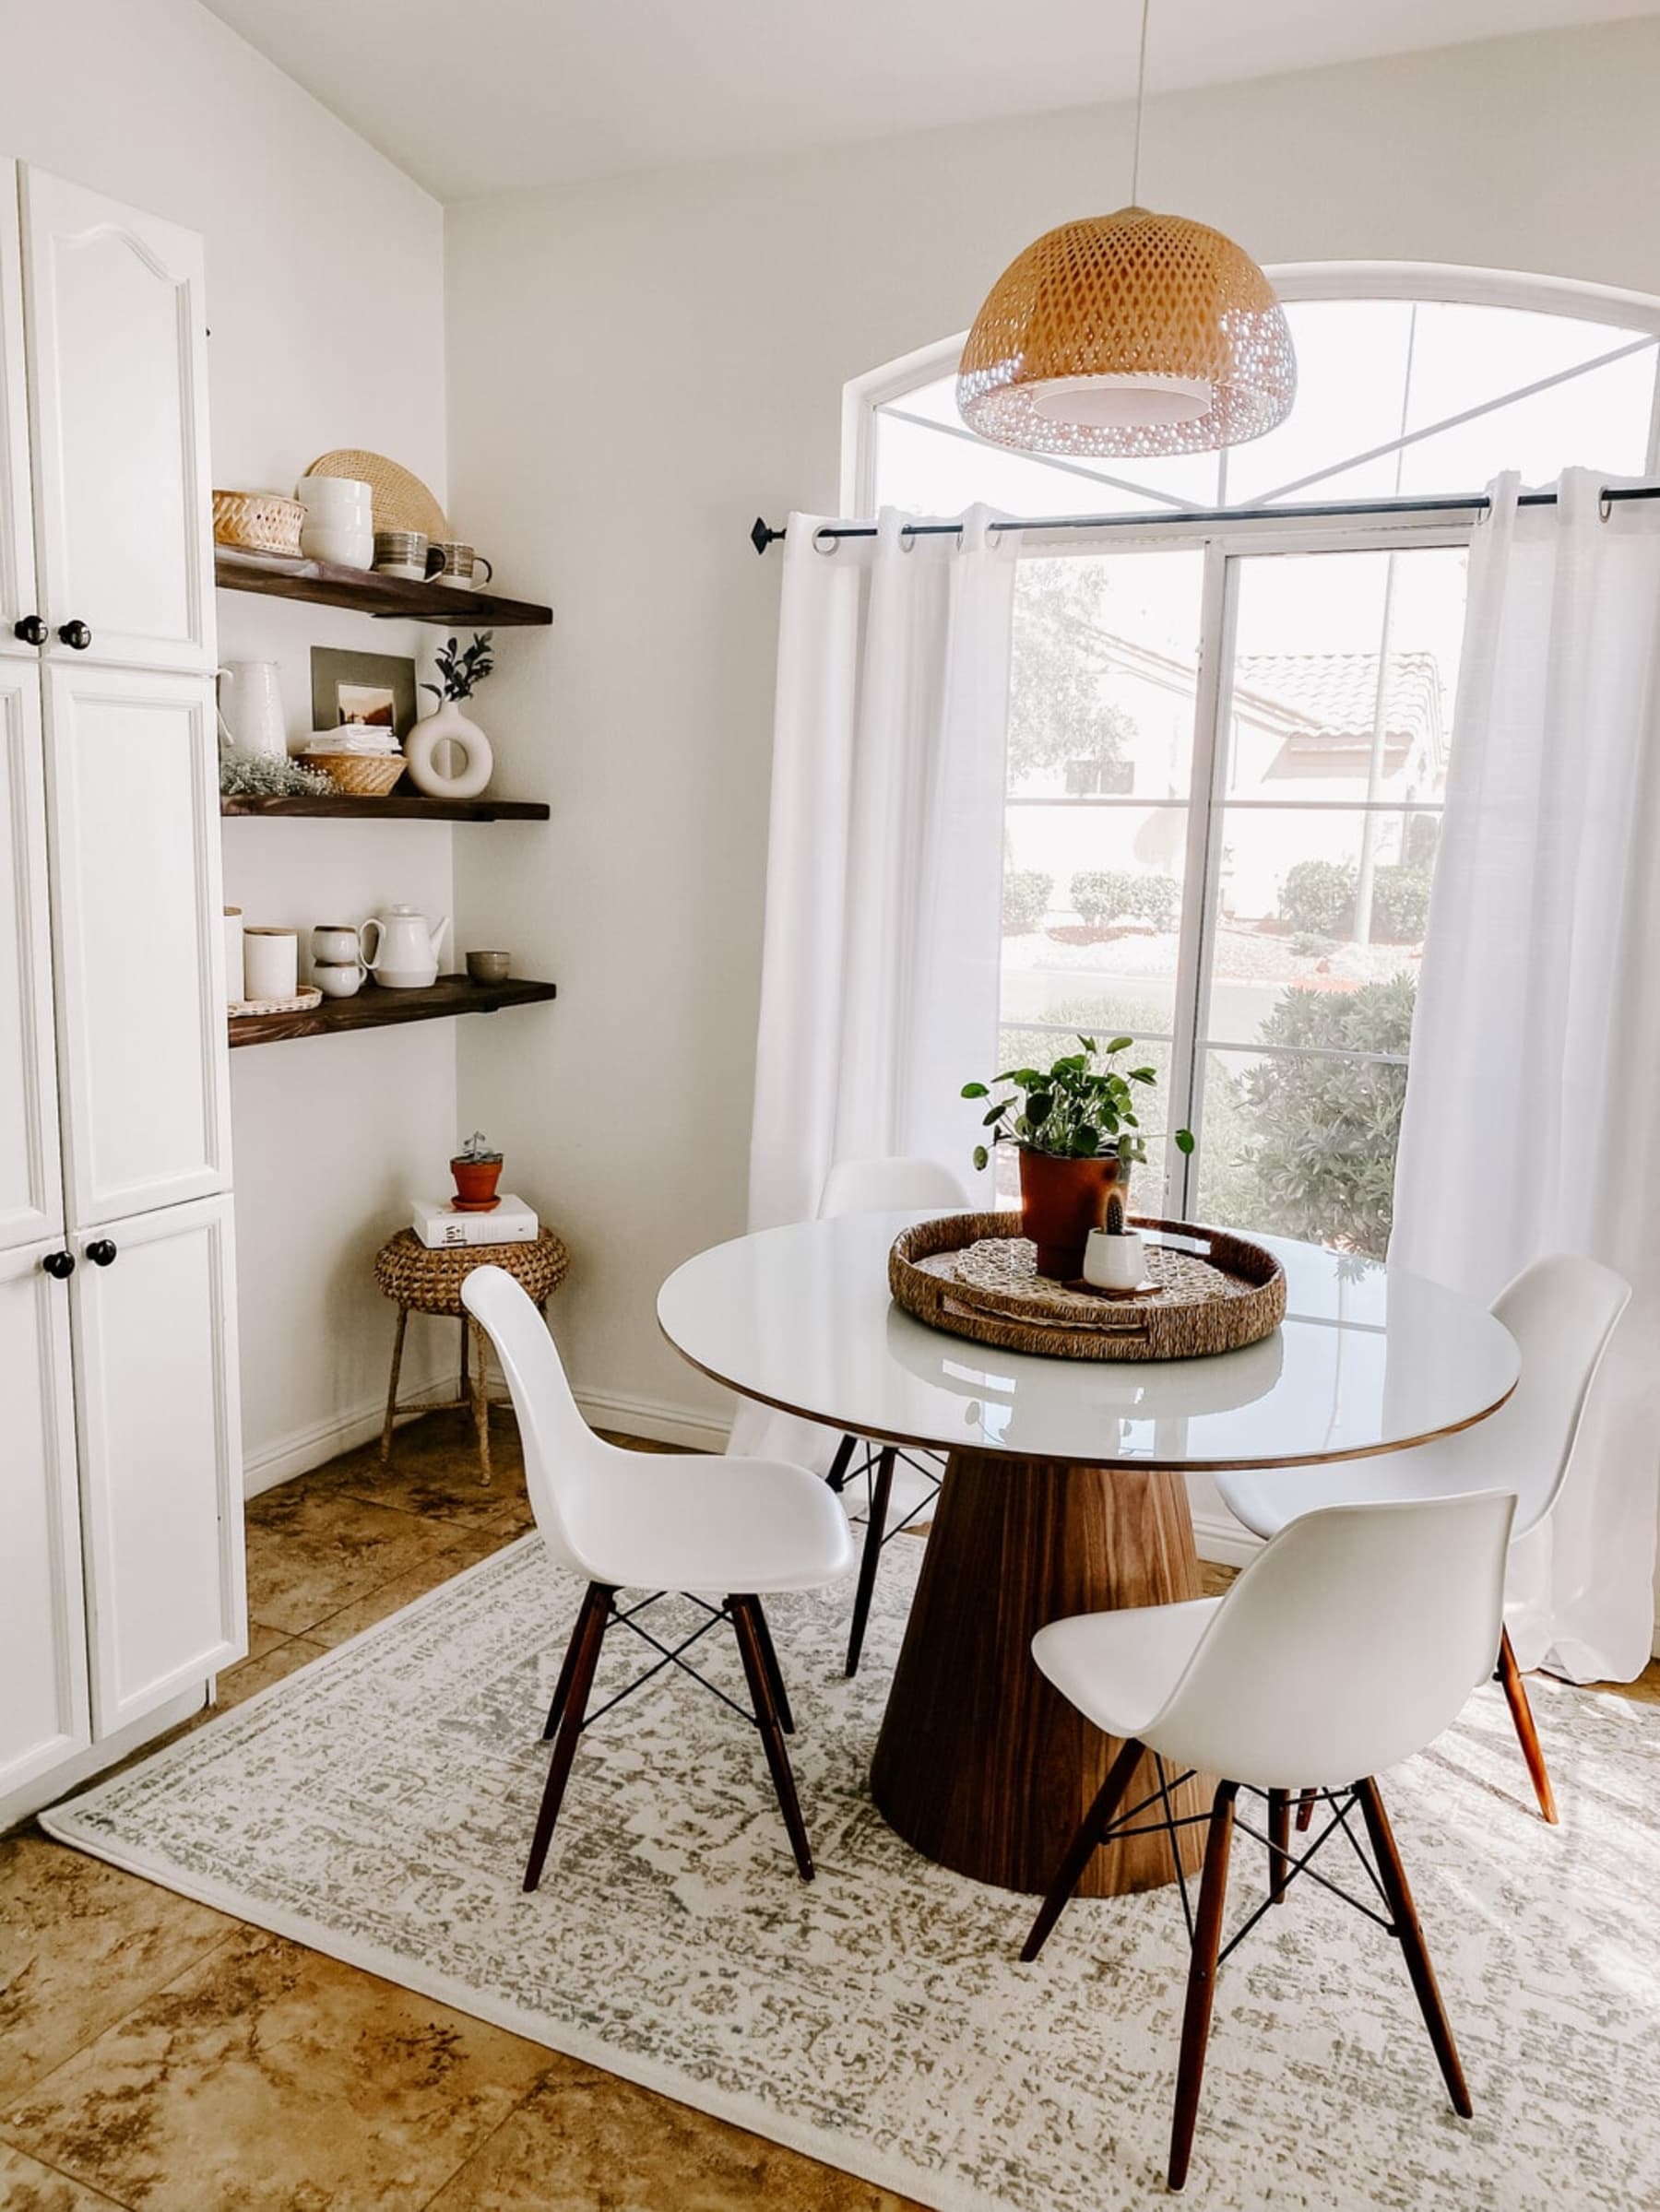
x=1131, y=333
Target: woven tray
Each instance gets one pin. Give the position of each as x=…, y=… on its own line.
x=303, y=1000
x=974, y=1276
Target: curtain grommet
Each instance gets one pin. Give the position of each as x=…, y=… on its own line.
x=823, y=540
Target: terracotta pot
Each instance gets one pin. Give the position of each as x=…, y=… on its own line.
x=1060, y=1202
x=476, y=1181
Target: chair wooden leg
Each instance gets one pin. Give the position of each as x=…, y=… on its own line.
x=1202, y=1981
x=775, y=1673
x=567, y=1668
x=772, y=1735
x=1079, y=1851
x=1305, y=1811
x=1509, y=1675
x=397, y=1345
x=480, y=1399
x=1279, y=1843
x=581, y=1661
x=871, y=1556
x=837, y=1476
x=1413, y=1947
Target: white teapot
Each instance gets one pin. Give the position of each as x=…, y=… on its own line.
x=405, y=950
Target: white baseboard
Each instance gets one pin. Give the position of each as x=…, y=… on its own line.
x=652, y=1418
x=1219, y=1538
x=303, y=1448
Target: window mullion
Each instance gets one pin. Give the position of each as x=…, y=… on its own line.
x=1212, y=698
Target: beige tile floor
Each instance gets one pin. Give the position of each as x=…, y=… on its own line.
x=162, y=2057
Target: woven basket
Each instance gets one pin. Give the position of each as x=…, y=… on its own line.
x=360, y=774
x=974, y=1276
x=258, y=522
x=431, y=1280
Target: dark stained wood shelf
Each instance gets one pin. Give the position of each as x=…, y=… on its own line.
x=389, y=596
x=374, y=1009
x=400, y=807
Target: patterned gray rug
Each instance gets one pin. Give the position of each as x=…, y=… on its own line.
x=376, y=1806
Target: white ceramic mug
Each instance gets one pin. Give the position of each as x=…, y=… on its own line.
x=341, y=979
x=339, y=521
x=271, y=962
x=1115, y=1263
x=335, y=945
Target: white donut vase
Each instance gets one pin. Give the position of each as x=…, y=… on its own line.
x=424, y=750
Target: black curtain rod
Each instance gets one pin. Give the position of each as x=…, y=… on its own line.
x=1475, y=503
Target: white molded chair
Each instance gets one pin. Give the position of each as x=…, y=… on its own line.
x=1346, y=1645
x=902, y=1184
x=685, y=1524
x=1561, y=1311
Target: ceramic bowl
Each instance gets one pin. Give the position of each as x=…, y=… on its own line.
x=489, y=967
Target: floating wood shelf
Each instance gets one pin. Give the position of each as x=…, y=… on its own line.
x=374, y=1009
x=390, y=596
x=399, y=807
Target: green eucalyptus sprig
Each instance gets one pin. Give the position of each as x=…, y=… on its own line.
x=462, y=673
x=1074, y=1109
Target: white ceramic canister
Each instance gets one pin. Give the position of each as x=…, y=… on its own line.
x=233, y=954
x=271, y=962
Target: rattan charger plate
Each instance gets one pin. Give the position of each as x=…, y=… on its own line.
x=401, y=501
x=975, y=1275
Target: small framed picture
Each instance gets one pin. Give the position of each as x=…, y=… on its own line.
x=373, y=691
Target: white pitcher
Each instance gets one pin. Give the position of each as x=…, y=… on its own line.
x=405, y=953
x=251, y=708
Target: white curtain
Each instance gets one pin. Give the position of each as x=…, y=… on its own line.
x=1534, y=1103
x=879, y=977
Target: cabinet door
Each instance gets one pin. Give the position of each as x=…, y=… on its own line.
x=161, y=1455
x=42, y=1628
x=132, y=785
x=16, y=522
x=31, y=1196
x=116, y=342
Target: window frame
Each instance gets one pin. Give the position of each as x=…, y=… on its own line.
x=1225, y=546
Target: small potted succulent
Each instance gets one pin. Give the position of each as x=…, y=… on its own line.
x=1077, y=1133
x=477, y=1168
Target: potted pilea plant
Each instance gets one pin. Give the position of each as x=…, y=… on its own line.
x=477, y=1168
x=1077, y=1133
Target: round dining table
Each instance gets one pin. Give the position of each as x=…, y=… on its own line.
x=1066, y=1492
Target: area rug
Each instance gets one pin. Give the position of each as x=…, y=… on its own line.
x=376, y=1806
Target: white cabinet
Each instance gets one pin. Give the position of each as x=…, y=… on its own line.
x=156, y=1410
x=116, y=337
x=42, y=1633
x=31, y=1188
x=133, y=777
x=17, y=538
x=121, y=1559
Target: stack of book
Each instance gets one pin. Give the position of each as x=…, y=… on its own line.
x=436, y=1222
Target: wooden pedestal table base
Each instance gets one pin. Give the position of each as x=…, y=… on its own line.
x=980, y=1765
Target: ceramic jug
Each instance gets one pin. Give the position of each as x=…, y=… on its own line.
x=251, y=708
x=404, y=956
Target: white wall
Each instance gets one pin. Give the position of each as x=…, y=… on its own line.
x=637, y=367
x=324, y=287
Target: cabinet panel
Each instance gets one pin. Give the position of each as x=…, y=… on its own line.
x=16, y=523
x=133, y=824
x=42, y=1630
x=157, y=1412
x=116, y=343
x=32, y=1198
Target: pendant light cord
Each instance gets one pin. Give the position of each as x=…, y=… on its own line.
x=1140, y=101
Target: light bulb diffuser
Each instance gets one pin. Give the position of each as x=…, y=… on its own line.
x=1130, y=334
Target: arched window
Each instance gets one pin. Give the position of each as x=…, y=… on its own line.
x=1229, y=739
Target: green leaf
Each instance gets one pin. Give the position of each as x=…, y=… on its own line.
x=1184, y=1140
x=1039, y=1107
x=1086, y=1143
x=975, y=1091
x=996, y=1113
x=981, y=1156
x=1120, y=1044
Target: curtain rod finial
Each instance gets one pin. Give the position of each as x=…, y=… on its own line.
x=763, y=535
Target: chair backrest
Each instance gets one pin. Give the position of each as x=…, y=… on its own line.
x=1561, y=1310
x=888, y=1187
x=565, y=1463
x=1349, y=1642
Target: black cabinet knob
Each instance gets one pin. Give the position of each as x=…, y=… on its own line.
x=32, y=630
x=76, y=635
x=60, y=1264
x=100, y=1252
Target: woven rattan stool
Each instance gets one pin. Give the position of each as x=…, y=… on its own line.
x=428, y=1281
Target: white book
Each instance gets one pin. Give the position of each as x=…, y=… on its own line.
x=437, y=1223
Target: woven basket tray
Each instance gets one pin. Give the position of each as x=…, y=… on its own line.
x=974, y=1276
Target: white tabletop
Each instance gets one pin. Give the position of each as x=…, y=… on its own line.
x=1369, y=1359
